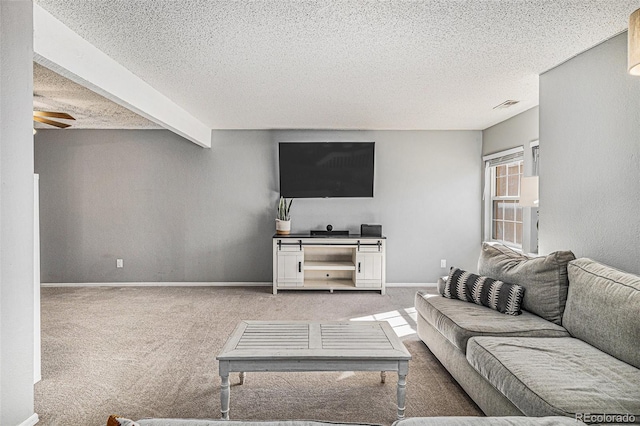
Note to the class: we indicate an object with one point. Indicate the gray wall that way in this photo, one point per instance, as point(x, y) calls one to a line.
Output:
point(519, 130)
point(590, 157)
point(16, 213)
point(176, 212)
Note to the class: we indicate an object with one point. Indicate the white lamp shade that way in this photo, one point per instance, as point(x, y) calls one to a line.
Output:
point(633, 43)
point(529, 191)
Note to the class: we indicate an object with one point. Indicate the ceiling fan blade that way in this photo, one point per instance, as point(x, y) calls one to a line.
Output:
point(53, 114)
point(51, 122)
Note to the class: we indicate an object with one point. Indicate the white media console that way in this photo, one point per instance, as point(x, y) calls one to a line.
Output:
point(304, 262)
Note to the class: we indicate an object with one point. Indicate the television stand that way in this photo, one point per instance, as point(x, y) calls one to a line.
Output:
point(328, 262)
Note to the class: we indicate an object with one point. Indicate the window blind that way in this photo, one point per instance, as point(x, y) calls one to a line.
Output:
point(504, 159)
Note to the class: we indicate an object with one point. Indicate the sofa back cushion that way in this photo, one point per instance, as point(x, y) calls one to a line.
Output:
point(603, 309)
point(544, 278)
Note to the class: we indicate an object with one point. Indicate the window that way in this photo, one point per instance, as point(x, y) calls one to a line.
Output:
point(503, 215)
point(506, 225)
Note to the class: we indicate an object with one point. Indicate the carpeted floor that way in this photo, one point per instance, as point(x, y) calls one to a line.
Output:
point(151, 352)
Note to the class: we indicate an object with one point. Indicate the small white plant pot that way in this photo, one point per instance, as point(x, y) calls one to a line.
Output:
point(283, 227)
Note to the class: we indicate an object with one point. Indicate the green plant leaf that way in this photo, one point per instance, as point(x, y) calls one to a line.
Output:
point(284, 209)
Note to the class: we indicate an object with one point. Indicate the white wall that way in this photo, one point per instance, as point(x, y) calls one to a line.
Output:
point(176, 212)
point(16, 214)
point(590, 157)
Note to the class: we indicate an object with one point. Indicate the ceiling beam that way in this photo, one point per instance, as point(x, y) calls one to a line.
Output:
point(61, 50)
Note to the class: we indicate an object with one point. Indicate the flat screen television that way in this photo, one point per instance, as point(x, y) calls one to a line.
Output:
point(326, 169)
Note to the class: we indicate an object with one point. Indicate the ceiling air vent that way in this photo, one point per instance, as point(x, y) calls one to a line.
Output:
point(506, 104)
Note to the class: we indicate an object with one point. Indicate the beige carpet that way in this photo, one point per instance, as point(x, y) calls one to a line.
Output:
point(150, 352)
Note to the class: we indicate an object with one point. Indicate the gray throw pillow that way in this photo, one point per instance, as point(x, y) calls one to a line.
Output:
point(544, 277)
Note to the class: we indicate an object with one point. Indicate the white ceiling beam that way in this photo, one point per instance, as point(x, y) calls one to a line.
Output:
point(60, 49)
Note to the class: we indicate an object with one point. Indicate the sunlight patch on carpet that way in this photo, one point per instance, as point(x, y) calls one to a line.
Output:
point(402, 321)
point(345, 375)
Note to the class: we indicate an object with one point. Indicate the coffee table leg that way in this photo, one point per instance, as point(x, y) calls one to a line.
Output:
point(224, 397)
point(403, 370)
point(402, 389)
point(242, 377)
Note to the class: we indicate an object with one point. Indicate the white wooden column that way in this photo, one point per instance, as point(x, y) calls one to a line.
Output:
point(37, 361)
point(16, 214)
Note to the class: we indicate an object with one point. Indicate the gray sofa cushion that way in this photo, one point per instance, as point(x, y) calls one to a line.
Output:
point(487, 421)
point(544, 278)
point(603, 309)
point(457, 321)
point(564, 376)
point(198, 422)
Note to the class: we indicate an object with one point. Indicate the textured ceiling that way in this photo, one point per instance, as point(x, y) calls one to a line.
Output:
point(432, 64)
point(52, 92)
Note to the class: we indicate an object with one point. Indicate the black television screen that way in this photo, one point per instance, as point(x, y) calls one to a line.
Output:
point(326, 169)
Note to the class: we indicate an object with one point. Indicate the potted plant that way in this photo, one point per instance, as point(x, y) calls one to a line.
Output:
point(283, 221)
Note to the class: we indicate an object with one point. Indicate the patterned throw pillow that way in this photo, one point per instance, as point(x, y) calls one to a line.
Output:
point(485, 291)
point(114, 420)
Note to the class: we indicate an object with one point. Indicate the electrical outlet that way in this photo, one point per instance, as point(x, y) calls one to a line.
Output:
point(443, 263)
point(119, 263)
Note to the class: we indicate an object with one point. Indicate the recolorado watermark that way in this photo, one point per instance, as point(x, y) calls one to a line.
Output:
point(605, 418)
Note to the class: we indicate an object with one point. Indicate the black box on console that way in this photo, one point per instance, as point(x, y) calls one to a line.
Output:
point(370, 230)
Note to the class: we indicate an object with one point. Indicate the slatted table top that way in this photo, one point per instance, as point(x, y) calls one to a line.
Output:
point(289, 340)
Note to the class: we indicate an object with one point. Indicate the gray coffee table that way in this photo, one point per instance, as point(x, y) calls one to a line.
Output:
point(313, 346)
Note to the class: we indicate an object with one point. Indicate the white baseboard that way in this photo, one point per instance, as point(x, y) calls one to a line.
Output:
point(429, 285)
point(165, 284)
point(31, 421)
point(201, 284)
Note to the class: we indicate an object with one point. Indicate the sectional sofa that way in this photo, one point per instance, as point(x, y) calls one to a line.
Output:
point(415, 421)
point(573, 351)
